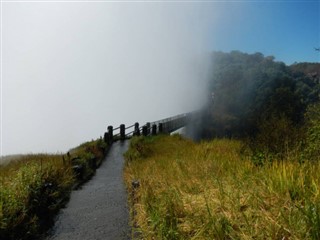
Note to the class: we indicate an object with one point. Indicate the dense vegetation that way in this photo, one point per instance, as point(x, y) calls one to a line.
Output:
point(257, 178)
point(34, 187)
point(213, 190)
point(258, 98)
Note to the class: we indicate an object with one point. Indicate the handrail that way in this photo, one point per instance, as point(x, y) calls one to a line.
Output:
point(130, 126)
point(116, 128)
point(129, 134)
point(166, 125)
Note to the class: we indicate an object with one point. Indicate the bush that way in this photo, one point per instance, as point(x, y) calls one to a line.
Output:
point(33, 189)
point(139, 148)
point(312, 150)
point(31, 195)
point(277, 137)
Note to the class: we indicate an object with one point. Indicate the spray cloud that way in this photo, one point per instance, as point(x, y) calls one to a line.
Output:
point(71, 69)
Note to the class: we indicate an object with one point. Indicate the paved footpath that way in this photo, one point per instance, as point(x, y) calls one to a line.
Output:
point(99, 209)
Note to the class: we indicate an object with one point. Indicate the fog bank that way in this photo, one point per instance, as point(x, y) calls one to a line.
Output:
point(71, 69)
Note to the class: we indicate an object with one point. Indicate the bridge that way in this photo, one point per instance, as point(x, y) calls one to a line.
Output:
point(166, 126)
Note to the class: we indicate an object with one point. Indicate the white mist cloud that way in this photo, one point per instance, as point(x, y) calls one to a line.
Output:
point(71, 69)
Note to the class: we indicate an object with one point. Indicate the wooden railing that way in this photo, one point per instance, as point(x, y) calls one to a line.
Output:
point(167, 125)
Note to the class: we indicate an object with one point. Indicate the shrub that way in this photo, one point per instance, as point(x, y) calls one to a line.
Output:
point(139, 148)
point(35, 187)
point(312, 150)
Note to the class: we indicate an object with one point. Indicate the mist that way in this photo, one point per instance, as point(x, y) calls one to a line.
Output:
point(72, 69)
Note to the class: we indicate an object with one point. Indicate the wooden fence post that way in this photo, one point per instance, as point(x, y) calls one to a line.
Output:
point(106, 138)
point(145, 130)
point(136, 129)
point(154, 129)
point(160, 127)
point(148, 128)
point(110, 133)
point(122, 132)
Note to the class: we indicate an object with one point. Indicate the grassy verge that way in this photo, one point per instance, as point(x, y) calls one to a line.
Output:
point(212, 190)
point(35, 187)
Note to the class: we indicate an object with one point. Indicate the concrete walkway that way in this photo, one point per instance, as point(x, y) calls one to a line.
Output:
point(99, 209)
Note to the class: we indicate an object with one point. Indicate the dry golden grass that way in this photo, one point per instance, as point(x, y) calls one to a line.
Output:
point(212, 191)
point(34, 187)
point(31, 188)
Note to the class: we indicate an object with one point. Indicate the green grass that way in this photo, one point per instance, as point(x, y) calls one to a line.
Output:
point(34, 187)
point(212, 190)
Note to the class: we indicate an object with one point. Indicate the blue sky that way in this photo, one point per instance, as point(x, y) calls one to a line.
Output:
point(288, 30)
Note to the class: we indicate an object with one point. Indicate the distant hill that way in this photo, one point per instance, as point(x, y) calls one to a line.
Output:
point(247, 89)
point(310, 69)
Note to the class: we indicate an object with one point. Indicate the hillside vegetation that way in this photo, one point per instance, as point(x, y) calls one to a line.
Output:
point(34, 187)
point(251, 89)
point(214, 190)
point(257, 177)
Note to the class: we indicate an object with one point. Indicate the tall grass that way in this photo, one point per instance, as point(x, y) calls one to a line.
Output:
point(35, 187)
point(212, 190)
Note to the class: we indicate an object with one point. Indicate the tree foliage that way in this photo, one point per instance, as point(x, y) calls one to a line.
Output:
point(256, 96)
point(311, 150)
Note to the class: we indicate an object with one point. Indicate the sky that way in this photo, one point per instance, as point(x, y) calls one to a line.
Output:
point(287, 30)
point(69, 69)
